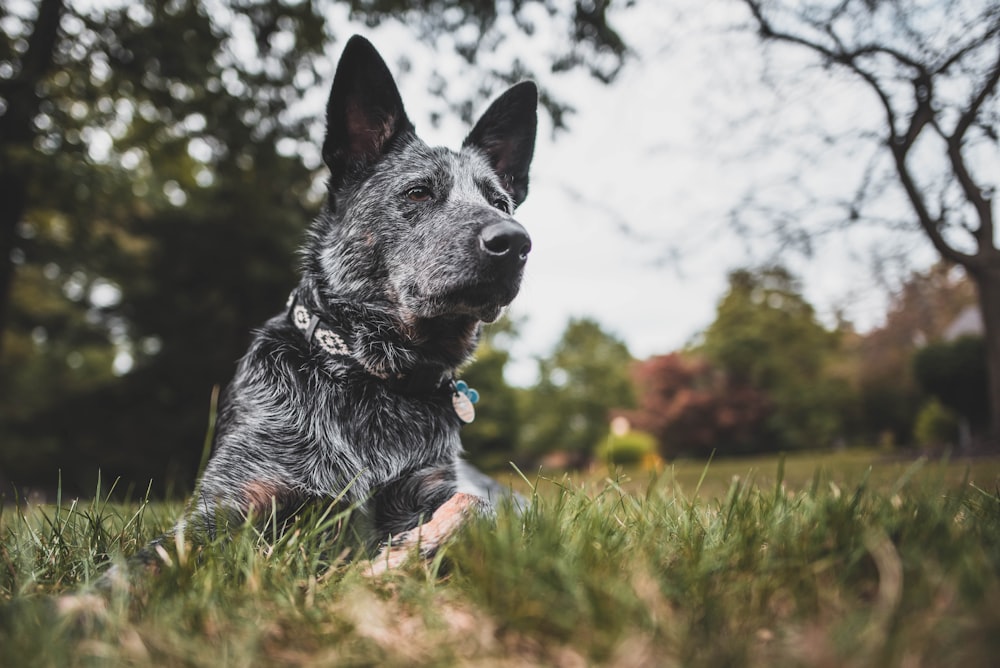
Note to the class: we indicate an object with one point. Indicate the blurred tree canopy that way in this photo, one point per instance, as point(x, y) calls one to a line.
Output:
point(585, 377)
point(765, 336)
point(155, 180)
point(492, 440)
point(954, 372)
point(767, 375)
point(889, 395)
point(693, 408)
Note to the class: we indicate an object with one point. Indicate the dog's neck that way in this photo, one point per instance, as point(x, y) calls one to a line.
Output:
point(384, 343)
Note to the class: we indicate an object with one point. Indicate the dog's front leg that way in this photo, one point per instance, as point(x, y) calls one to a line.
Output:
point(427, 538)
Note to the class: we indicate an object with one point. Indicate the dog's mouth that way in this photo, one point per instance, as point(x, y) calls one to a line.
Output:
point(483, 300)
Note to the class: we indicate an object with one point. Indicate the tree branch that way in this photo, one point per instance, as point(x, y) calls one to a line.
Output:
point(984, 209)
point(928, 223)
point(989, 34)
point(899, 145)
point(987, 89)
point(902, 58)
point(845, 58)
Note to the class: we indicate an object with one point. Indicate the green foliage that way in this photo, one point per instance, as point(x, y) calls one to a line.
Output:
point(955, 373)
point(827, 572)
point(586, 376)
point(763, 313)
point(155, 175)
point(881, 361)
point(766, 336)
point(628, 449)
point(935, 425)
point(492, 439)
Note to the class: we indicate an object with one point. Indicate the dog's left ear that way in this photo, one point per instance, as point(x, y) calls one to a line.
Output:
point(506, 134)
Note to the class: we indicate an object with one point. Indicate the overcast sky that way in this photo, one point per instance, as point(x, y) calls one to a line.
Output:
point(629, 210)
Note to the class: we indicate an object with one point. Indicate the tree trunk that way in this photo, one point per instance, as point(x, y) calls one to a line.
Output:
point(988, 288)
point(16, 139)
point(12, 189)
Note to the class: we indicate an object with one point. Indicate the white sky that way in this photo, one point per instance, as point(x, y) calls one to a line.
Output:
point(669, 151)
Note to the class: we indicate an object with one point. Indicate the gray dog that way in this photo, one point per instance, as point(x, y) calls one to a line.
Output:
point(351, 391)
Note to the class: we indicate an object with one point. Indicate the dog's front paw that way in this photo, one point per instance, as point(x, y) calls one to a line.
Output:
point(427, 538)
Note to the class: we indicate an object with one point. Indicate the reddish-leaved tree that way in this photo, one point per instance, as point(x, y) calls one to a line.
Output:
point(692, 408)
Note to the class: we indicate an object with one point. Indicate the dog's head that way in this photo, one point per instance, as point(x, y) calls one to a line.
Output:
point(426, 231)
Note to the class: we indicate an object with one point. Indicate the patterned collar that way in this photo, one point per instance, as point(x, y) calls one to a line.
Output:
point(422, 381)
point(315, 329)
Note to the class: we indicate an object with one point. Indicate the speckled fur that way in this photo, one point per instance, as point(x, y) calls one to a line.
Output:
point(409, 284)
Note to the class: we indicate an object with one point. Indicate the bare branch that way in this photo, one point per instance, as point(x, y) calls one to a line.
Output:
point(899, 56)
point(984, 210)
point(928, 223)
point(767, 32)
point(988, 88)
point(990, 33)
point(898, 144)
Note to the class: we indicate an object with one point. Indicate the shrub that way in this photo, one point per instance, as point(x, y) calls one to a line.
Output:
point(628, 449)
point(954, 372)
point(936, 424)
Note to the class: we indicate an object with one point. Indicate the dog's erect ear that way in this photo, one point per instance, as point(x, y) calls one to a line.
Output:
point(365, 111)
point(506, 134)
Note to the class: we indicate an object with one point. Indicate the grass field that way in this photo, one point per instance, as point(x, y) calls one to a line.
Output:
point(832, 560)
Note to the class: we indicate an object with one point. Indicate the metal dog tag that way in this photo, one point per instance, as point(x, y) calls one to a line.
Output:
point(464, 409)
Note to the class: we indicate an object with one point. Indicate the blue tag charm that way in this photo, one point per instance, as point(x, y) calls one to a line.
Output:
point(463, 399)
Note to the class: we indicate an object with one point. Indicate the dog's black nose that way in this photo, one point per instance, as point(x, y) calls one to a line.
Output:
point(505, 240)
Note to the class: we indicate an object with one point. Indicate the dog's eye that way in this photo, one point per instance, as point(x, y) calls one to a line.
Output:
point(419, 194)
point(502, 204)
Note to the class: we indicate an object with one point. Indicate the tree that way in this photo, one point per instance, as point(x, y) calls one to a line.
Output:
point(765, 336)
point(954, 372)
point(492, 439)
point(93, 97)
point(141, 167)
point(920, 312)
point(155, 177)
point(586, 377)
point(932, 70)
point(695, 409)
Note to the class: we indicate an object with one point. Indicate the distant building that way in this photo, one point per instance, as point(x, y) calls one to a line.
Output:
point(969, 322)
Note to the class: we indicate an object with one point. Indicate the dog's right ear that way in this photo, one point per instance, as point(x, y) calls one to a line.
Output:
point(364, 113)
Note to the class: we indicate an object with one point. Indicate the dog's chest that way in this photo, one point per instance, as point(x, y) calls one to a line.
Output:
point(379, 434)
point(327, 422)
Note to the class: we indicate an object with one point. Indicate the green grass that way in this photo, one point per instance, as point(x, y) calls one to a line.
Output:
point(805, 561)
